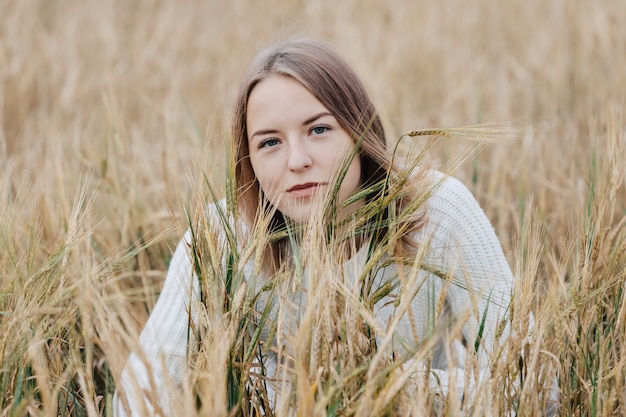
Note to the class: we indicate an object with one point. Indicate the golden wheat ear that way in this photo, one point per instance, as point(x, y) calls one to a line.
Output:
point(484, 133)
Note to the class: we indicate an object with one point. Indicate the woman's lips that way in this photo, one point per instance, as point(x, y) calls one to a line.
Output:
point(304, 190)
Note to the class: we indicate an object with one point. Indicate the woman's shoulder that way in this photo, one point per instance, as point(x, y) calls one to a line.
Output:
point(221, 214)
point(219, 219)
point(216, 208)
point(451, 204)
point(449, 192)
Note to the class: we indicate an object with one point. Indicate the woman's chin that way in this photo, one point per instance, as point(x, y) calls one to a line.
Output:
point(302, 212)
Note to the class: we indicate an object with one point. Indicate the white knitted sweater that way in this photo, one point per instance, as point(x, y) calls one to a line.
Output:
point(461, 242)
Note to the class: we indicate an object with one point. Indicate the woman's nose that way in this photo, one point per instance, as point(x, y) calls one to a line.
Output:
point(299, 156)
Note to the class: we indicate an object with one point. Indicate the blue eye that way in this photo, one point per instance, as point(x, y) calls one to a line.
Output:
point(319, 130)
point(269, 143)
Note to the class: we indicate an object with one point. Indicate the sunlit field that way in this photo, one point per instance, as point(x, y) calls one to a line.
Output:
point(114, 117)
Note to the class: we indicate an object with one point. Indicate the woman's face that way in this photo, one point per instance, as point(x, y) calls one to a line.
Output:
point(296, 148)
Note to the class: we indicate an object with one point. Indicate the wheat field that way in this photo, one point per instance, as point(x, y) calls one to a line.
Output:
point(112, 114)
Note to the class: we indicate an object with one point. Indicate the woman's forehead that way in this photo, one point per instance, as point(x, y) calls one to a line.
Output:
point(280, 99)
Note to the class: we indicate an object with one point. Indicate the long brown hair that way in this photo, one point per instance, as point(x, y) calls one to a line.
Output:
point(327, 76)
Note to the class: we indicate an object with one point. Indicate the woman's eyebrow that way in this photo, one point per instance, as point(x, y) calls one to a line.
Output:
point(306, 122)
point(314, 118)
point(264, 132)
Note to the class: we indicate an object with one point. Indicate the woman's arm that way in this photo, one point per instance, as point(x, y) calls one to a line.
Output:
point(465, 282)
point(480, 283)
point(465, 248)
point(157, 366)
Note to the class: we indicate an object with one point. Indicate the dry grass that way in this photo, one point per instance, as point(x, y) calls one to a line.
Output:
point(109, 112)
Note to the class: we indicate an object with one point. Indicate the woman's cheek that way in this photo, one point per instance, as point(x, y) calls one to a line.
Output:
point(271, 189)
point(262, 172)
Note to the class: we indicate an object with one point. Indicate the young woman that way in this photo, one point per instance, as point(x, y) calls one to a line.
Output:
point(409, 261)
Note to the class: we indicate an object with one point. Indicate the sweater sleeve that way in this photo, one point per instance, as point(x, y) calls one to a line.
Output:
point(465, 261)
point(465, 248)
point(154, 370)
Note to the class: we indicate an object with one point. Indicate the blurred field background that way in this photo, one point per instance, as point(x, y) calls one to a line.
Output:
point(110, 111)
